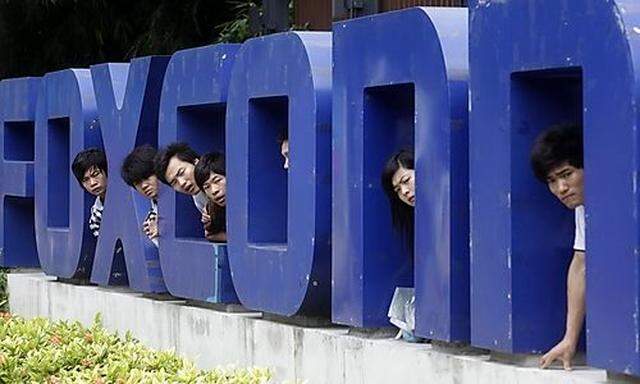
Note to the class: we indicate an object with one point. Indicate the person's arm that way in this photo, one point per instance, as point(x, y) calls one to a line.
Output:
point(220, 237)
point(576, 288)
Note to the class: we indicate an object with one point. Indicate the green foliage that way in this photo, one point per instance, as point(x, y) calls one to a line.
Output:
point(40, 351)
point(237, 30)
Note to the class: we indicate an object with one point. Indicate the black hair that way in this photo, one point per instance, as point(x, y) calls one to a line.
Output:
point(181, 150)
point(138, 165)
point(87, 159)
point(555, 146)
point(283, 136)
point(209, 162)
point(401, 213)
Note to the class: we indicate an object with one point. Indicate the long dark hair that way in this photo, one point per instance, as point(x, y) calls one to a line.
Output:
point(401, 213)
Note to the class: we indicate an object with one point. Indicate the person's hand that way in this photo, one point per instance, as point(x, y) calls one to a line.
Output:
point(563, 351)
point(209, 235)
point(205, 219)
point(150, 227)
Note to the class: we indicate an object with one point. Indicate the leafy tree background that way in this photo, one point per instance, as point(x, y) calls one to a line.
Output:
point(39, 36)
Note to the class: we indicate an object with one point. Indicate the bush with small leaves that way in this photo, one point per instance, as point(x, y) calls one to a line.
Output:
point(42, 351)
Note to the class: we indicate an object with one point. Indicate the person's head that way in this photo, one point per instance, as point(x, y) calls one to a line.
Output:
point(138, 172)
point(284, 149)
point(174, 166)
point(398, 182)
point(557, 160)
point(211, 177)
point(90, 169)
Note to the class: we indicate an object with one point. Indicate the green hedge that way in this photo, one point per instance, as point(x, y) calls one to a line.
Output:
point(41, 351)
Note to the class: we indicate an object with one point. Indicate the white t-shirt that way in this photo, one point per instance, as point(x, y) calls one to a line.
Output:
point(578, 242)
point(200, 200)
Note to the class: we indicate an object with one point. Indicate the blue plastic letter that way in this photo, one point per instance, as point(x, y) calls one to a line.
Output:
point(128, 97)
point(406, 85)
point(65, 125)
point(534, 64)
point(279, 220)
point(18, 99)
point(192, 109)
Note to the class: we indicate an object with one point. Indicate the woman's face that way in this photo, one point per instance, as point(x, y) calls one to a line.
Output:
point(404, 185)
point(216, 189)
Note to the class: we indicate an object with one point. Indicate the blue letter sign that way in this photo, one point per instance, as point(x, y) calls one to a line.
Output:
point(192, 109)
point(66, 123)
point(279, 220)
point(18, 99)
point(127, 96)
point(406, 85)
point(534, 64)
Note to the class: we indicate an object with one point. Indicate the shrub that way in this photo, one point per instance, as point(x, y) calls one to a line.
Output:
point(42, 351)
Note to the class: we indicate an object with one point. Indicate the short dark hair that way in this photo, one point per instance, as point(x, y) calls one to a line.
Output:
point(555, 146)
point(401, 213)
point(87, 159)
point(138, 165)
point(283, 136)
point(209, 162)
point(181, 150)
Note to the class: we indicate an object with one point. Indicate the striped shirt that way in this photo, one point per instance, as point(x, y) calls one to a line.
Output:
point(151, 216)
point(96, 217)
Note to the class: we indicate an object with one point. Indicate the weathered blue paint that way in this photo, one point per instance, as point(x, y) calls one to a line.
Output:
point(414, 61)
point(66, 123)
point(192, 109)
point(127, 97)
point(18, 98)
point(279, 221)
point(533, 64)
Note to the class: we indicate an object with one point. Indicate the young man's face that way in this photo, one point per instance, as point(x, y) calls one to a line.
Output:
point(216, 189)
point(566, 182)
point(94, 181)
point(148, 187)
point(284, 151)
point(179, 175)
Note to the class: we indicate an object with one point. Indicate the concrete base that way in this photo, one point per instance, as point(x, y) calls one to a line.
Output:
point(317, 355)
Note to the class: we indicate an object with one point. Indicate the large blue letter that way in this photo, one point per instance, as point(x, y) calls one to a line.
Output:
point(192, 109)
point(65, 125)
point(534, 64)
point(18, 99)
point(279, 229)
point(406, 85)
point(128, 96)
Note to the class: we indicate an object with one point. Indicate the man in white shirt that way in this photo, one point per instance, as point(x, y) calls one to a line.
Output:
point(90, 169)
point(557, 160)
point(174, 166)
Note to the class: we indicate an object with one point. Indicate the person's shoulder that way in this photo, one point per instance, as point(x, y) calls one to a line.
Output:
point(200, 200)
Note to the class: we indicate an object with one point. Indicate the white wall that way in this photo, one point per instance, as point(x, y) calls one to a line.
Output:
point(317, 355)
